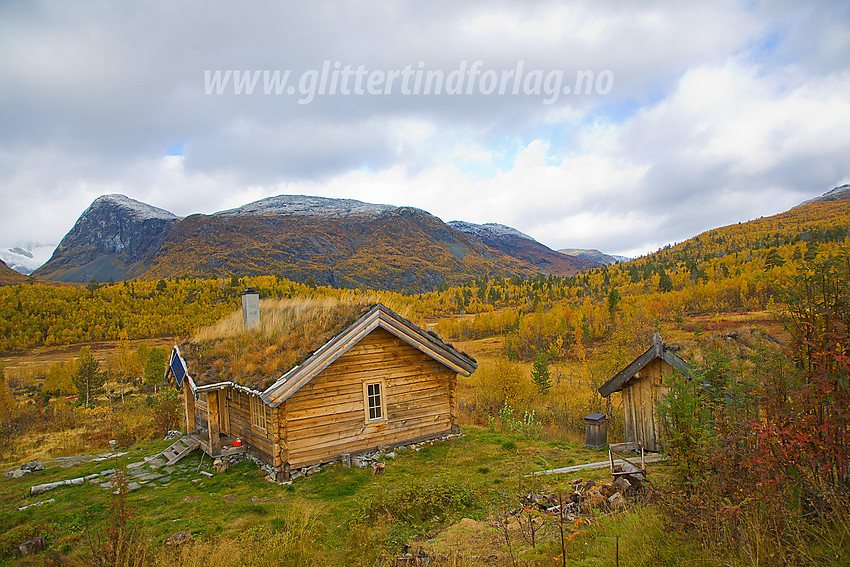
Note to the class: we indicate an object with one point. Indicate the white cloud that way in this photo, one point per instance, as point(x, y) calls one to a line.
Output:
point(718, 113)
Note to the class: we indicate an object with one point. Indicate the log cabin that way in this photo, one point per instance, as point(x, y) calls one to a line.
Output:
point(643, 383)
point(315, 380)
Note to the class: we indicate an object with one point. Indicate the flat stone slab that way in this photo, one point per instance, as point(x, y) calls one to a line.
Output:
point(42, 503)
point(133, 486)
point(73, 458)
point(149, 476)
point(42, 488)
point(118, 454)
point(107, 472)
point(135, 465)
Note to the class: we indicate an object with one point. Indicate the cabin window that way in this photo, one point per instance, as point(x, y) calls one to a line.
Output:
point(373, 393)
point(258, 413)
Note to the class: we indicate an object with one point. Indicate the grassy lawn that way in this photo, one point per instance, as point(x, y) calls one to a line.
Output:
point(339, 516)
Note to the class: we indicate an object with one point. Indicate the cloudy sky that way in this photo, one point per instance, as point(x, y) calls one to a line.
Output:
point(614, 125)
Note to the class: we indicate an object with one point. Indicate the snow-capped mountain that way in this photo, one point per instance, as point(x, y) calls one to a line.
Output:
point(311, 206)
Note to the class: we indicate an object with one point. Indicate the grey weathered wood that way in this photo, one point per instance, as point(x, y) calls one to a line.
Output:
point(657, 350)
point(599, 465)
point(629, 467)
point(180, 449)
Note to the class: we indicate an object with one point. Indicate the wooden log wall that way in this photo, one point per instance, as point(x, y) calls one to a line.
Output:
point(326, 417)
point(261, 442)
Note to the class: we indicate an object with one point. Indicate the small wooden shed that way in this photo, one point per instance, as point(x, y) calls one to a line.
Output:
point(643, 383)
point(379, 381)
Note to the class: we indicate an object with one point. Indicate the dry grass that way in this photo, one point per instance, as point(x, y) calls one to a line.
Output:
point(279, 317)
point(290, 330)
point(45, 446)
point(288, 539)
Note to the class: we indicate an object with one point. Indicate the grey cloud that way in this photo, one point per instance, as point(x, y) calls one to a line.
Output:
point(93, 94)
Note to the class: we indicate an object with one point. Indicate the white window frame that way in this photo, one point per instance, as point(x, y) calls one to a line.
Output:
point(382, 400)
point(258, 413)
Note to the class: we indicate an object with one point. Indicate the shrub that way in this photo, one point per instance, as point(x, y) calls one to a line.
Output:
point(417, 503)
point(501, 382)
point(166, 411)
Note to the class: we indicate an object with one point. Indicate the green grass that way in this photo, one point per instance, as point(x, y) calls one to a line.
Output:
point(337, 517)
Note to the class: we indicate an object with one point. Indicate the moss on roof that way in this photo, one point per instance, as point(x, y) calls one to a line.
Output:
point(290, 330)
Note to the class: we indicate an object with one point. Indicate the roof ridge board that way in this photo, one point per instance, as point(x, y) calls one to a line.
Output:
point(676, 361)
point(620, 378)
point(624, 375)
point(428, 336)
point(449, 353)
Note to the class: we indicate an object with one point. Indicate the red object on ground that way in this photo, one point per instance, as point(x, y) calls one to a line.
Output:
point(237, 442)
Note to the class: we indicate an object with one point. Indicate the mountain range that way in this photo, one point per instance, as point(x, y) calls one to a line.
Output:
point(339, 242)
point(594, 255)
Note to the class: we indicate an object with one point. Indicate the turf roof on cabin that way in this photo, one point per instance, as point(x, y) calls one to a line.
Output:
point(290, 332)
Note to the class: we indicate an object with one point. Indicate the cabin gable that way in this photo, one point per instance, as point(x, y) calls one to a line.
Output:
point(328, 416)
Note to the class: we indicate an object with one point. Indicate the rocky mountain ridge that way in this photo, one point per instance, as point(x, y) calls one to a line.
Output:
point(594, 255)
point(115, 238)
point(839, 193)
point(311, 206)
point(340, 242)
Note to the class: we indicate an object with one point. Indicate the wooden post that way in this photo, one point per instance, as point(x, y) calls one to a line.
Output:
point(274, 416)
point(189, 407)
point(212, 421)
point(453, 403)
point(283, 439)
point(224, 412)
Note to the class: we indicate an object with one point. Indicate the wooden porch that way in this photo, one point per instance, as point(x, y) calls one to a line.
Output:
point(224, 447)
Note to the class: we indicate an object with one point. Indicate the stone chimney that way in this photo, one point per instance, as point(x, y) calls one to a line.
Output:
point(250, 308)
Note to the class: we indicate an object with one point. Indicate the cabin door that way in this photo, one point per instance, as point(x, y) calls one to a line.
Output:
point(223, 413)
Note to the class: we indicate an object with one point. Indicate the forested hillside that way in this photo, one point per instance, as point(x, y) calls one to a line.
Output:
point(734, 268)
point(38, 314)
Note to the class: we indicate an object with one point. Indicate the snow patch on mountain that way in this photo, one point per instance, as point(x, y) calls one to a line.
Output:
point(26, 257)
point(835, 194)
point(595, 255)
point(309, 206)
point(488, 230)
point(139, 210)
